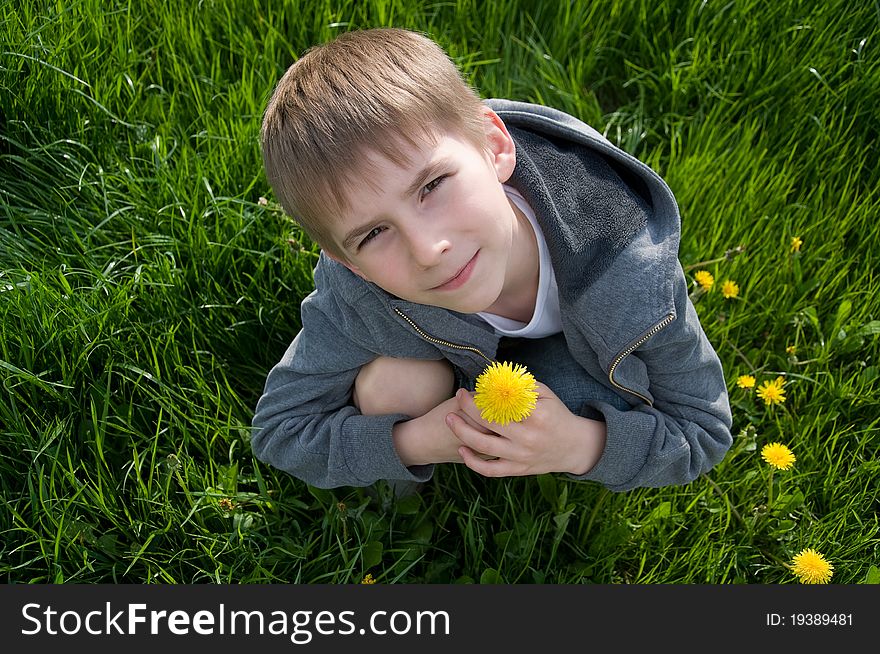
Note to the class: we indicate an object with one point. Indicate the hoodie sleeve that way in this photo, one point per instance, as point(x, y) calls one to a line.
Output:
point(305, 424)
point(686, 431)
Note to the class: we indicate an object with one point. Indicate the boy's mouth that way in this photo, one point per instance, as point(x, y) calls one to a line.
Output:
point(459, 278)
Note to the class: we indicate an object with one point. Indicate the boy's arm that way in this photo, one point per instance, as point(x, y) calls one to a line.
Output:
point(305, 424)
point(687, 430)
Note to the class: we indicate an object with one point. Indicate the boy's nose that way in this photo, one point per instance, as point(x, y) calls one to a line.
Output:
point(427, 247)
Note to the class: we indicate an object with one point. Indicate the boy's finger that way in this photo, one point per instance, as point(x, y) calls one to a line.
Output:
point(489, 444)
point(466, 402)
point(487, 468)
point(476, 423)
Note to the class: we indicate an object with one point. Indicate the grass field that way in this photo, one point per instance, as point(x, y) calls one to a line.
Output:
point(146, 287)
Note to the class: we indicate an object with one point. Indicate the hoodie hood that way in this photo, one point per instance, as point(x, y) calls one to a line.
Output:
point(615, 223)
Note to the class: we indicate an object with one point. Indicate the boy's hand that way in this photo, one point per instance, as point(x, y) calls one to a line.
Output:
point(429, 439)
point(551, 439)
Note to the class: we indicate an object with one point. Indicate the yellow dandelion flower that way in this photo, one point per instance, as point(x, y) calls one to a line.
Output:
point(704, 279)
point(729, 289)
point(506, 393)
point(368, 579)
point(796, 243)
point(771, 391)
point(811, 567)
point(791, 349)
point(745, 381)
point(778, 456)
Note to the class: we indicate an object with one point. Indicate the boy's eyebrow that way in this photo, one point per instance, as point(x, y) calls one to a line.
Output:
point(421, 178)
point(424, 176)
point(353, 235)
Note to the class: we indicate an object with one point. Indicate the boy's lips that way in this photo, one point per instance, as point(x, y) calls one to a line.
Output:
point(459, 278)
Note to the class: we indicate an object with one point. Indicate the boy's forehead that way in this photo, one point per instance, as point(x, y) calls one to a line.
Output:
point(392, 166)
point(397, 151)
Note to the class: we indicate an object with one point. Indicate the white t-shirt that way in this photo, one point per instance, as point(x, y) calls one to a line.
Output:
point(546, 319)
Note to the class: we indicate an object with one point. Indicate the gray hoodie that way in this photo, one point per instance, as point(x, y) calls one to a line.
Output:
point(612, 228)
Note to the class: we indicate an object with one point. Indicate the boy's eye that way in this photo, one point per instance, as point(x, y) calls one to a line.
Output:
point(369, 237)
point(432, 185)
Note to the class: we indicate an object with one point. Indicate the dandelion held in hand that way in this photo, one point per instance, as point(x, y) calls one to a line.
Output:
point(506, 393)
point(811, 567)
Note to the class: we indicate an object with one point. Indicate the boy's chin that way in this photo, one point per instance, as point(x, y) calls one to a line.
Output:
point(477, 304)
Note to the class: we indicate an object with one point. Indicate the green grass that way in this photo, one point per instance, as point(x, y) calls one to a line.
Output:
point(145, 291)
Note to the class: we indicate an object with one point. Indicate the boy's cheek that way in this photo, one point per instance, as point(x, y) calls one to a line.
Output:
point(358, 272)
point(354, 269)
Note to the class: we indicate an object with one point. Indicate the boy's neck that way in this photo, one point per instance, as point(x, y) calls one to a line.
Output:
point(520, 292)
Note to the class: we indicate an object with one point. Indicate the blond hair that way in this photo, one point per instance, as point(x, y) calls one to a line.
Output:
point(373, 90)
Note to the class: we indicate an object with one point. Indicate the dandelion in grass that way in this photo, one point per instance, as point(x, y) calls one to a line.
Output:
point(368, 579)
point(778, 456)
point(729, 289)
point(796, 243)
point(772, 392)
point(704, 279)
point(505, 393)
point(745, 381)
point(811, 567)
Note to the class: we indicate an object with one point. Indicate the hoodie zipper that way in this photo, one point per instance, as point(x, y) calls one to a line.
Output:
point(645, 337)
point(620, 357)
point(438, 341)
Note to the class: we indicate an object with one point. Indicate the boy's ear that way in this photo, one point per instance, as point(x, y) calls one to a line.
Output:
point(500, 145)
point(352, 268)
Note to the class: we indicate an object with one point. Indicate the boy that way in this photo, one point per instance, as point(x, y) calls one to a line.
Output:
point(455, 232)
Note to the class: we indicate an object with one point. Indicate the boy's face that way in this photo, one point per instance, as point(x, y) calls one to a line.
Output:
point(439, 230)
